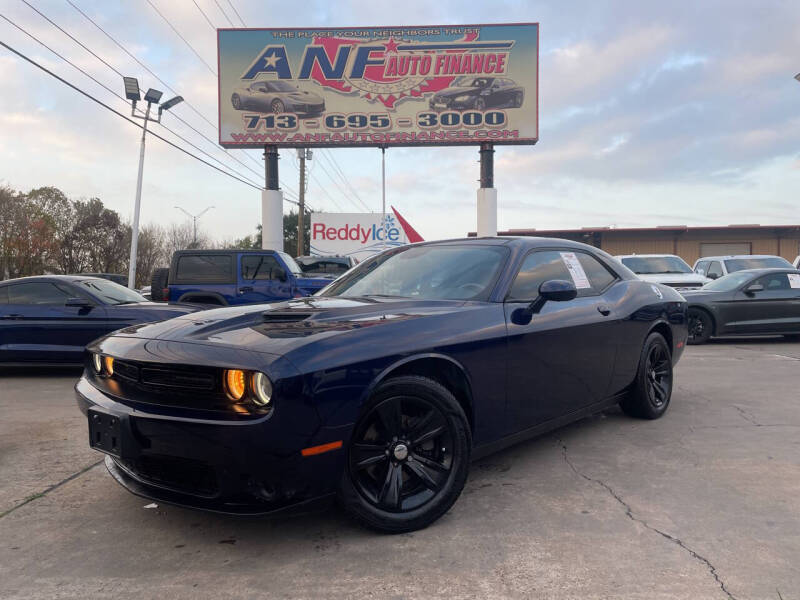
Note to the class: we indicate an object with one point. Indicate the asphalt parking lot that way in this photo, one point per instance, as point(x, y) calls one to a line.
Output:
point(704, 503)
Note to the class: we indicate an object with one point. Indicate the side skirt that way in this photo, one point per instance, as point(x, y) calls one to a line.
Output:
point(542, 428)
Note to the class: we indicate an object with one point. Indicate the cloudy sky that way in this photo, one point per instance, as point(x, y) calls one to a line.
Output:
point(650, 114)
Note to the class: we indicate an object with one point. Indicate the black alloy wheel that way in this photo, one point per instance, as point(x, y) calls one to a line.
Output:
point(408, 456)
point(659, 375)
point(277, 106)
point(651, 392)
point(700, 326)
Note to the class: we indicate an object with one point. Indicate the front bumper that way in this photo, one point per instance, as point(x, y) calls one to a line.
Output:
point(237, 467)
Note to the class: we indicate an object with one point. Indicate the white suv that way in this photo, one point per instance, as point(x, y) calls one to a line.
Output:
point(668, 269)
point(715, 267)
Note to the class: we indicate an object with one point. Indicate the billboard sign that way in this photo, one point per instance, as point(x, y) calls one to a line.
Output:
point(379, 86)
point(359, 235)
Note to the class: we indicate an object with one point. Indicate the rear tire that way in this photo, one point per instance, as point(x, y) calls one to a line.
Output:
point(408, 457)
point(700, 326)
point(158, 285)
point(652, 389)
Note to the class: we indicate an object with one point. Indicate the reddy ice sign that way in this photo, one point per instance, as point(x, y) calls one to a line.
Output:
point(379, 86)
point(359, 235)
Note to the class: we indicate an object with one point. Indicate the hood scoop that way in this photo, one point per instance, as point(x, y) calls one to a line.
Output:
point(286, 316)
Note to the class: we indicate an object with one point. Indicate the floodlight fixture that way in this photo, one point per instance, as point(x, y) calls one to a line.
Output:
point(797, 77)
point(170, 103)
point(132, 88)
point(153, 96)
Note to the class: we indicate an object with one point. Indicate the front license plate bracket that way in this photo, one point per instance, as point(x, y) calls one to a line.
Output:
point(105, 432)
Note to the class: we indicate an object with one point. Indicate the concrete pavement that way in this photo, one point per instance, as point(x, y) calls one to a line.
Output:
point(703, 503)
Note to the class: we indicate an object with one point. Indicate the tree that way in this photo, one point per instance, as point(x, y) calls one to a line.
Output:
point(28, 240)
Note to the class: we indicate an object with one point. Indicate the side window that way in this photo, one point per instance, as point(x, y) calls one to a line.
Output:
point(599, 276)
point(36, 293)
point(774, 282)
point(714, 269)
point(255, 267)
point(701, 267)
point(205, 268)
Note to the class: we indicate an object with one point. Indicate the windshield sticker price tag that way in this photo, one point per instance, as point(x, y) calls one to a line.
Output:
point(794, 280)
point(575, 270)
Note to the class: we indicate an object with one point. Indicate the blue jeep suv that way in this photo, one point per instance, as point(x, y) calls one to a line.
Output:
point(229, 277)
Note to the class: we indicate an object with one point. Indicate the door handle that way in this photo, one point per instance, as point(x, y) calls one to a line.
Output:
point(243, 290)
point(603, 309)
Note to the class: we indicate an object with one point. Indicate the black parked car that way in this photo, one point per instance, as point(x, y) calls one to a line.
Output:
point(382, 388)
point(50, 319)
point(479, 93)
point(754, 301)
point(277, 97)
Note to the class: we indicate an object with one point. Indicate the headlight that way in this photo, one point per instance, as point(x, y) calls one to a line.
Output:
point(262, 389)
point(97, 363)
point(108, 365)
point(235, 383)
point(463, 98)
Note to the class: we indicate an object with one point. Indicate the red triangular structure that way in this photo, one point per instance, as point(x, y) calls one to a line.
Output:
point(410, 232)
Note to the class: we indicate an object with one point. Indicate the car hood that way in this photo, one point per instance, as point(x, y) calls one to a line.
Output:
point(312, 283)
point(165, 311)
point(458, 91)
point(283, 327)
point(303, 97)
point(673, 278)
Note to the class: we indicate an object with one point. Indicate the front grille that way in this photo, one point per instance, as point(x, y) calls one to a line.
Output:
point(180, 474)
point(177, 379)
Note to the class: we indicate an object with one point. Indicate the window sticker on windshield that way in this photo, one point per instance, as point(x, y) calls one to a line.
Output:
point(575, 270)
point(794, 280)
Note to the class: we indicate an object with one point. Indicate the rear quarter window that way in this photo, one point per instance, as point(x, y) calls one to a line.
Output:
point(205, 268)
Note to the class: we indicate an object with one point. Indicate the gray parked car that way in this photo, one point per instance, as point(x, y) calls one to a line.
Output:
point(277, 97)
point(715, 267)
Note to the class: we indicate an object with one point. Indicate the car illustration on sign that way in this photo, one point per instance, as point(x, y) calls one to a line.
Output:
point(479, 93)
point(382, 388)
point(277, 97)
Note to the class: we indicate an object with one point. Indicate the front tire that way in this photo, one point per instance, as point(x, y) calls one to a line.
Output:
point(408, 457)
point(652, 389)
point(277, 106)
point(700, 326)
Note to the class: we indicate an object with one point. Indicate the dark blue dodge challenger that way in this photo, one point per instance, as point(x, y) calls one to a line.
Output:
point(383, 387)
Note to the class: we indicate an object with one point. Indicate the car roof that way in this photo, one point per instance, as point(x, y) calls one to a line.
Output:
point(730, 256)
point(767, 270)
point(35, 278)
point(645, 255)
point(516, 241)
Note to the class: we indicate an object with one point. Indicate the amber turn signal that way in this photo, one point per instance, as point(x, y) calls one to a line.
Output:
point(235, 383)
point(108, 365)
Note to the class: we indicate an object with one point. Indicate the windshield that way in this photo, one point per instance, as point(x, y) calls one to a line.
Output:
point(425, 272)
point(291, 263)
point(112, 293)
point(740, 264)
point(323, 265)
point(727, 282)
point(281, 86)
point(652, 265)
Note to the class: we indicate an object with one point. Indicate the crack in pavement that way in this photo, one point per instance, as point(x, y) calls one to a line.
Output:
point(629, 512)
point(38, 495)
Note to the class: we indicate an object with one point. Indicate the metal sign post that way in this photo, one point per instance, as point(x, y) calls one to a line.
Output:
point(271, 203)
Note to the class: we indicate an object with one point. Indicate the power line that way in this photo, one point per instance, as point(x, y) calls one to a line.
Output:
point(205, 16)
point(165, 84)
point(339, 187)
point(241, 20)
point(178, 33)
point(344, 179)
point(224, 14)
point(335, 203)
point(101, 84)
point(119, 114)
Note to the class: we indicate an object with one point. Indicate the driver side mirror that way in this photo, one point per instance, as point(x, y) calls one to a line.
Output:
point(752, 289)
point(78, 303)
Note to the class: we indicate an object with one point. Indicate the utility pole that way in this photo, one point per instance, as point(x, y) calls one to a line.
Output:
point(302, 154)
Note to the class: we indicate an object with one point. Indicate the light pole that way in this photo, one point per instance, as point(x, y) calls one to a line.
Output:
point(194, 221)
point(151, 97)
